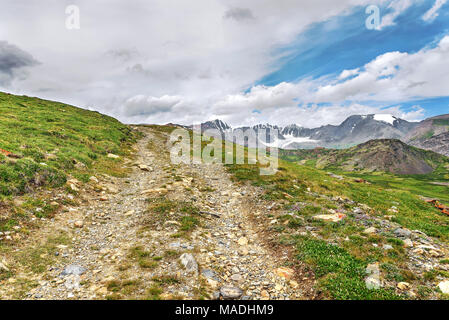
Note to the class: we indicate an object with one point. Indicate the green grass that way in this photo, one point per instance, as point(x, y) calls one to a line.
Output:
point(142, 257)
point(39, 257)
point(441, 122)
point(340, 273)
point(162, 209)
point(340, 268)
point(54, 140)
point(385, 191)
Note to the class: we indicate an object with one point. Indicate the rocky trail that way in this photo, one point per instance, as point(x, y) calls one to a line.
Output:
point(130, 242)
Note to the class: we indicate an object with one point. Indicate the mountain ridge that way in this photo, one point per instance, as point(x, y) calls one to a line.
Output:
point(353, 130)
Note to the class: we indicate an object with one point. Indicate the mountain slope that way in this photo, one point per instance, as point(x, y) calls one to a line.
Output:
point(431, 134)
point(43, 142)
point(383, 155)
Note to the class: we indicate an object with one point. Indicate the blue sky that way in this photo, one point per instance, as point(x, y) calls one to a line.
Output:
point(327, 48)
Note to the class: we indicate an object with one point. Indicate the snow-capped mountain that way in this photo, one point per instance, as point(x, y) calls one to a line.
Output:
point(354, 130)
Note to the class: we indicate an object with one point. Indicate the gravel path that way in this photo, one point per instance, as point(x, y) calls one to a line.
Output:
point(120, 249)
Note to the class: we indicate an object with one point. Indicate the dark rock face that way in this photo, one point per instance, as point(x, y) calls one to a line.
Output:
point(438, 143)
point(431, 134)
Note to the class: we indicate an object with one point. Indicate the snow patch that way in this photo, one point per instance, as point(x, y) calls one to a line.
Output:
point(289, 139)
point(388, 118)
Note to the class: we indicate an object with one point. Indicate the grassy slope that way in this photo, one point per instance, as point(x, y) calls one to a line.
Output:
point(340, 269)
point(55, 141)
point(418, 185)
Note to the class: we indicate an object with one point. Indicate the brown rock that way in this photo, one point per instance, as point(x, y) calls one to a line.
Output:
point(284, 272)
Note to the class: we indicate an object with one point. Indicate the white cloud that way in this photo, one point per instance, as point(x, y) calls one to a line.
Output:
point(142, 105)
point(187, 61)
point(433, 12)
point(200, 50)
point(348, 73)
point(391, 77)
point(394, 76)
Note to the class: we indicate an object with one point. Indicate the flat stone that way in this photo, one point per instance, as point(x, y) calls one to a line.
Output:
point(403, 285)
point(129, 213)
point(265, 295)
point(209, 274)
point(402, 233)
point(144, 167)
point(3, 266)
point(435, 253)
point(408, 243)
point(243, 241)
point(373, 268)
point(284, 272)
point(373, 282)
point(79, 224)
point(330, 217)
point(230, 293)
point(370, 230)
point(236, 277)
point(113, 156)
point(243, 251)
point(444, 286)
point(73, 269)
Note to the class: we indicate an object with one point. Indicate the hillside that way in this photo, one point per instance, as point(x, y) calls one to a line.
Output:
point(431, 134)
point(45, 143)
point(383, 155)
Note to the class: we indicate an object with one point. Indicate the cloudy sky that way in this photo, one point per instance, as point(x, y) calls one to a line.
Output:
point(242, 61)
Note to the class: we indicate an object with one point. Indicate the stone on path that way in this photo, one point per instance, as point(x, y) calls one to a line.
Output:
point(373, 280)
point(408, 243)
point(230, 293)
point(3, 266)
point(236, 277)
point(209, 274)
point(403, 285)
point(79, 224)
point(243, 241)
point(330, 217)
point(144, 167)
point(73, 269)
point(444, 286)
point(284, 272)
